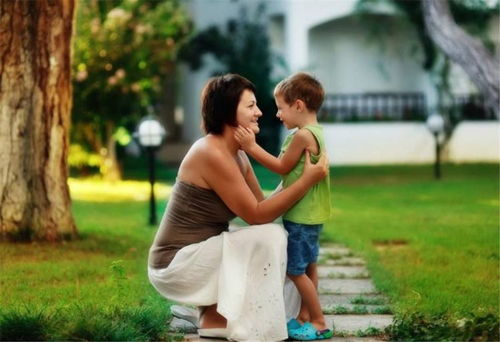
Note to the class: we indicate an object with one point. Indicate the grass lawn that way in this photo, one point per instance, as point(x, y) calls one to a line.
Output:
point(432, 246)
point(92, 289)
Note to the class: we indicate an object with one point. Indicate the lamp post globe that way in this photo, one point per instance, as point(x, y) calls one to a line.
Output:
point(435, 124)
point(150, 134)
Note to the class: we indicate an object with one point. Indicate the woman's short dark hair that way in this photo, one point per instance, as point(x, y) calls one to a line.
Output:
point(219, 101)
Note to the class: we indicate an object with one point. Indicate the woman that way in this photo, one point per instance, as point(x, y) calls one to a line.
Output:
point(237, 277)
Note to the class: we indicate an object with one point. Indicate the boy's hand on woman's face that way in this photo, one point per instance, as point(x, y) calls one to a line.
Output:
point(245, 137)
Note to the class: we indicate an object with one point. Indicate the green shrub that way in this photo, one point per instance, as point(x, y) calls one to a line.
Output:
point(418, 327)
point(148, 322)
point(101, 327)
point(88, 323)
point(382, 310)
point(371, 331)
point(24, 325)
point(360, 310)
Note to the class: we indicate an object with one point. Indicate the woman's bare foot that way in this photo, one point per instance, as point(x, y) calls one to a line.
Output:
point(211, 319)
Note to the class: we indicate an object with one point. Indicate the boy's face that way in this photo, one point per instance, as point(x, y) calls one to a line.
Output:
point(247, 113)
point(286, 113)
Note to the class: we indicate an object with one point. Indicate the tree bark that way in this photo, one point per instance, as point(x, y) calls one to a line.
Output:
point(464, 50)
point(35, 105)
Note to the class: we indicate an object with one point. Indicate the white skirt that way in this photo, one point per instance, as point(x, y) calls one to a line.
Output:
point(243, 271)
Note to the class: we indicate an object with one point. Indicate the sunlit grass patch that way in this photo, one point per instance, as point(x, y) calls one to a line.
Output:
point(98, 190)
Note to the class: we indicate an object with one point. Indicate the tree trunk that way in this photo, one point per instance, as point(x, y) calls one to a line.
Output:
point(463, 49)
point(35, 105)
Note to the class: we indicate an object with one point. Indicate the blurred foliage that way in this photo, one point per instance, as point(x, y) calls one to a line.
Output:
point(242, 47)
point(474, 16)
point(123, 52)
point(82, 160)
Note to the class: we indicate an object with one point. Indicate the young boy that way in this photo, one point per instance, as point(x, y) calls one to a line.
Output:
point(298, 99)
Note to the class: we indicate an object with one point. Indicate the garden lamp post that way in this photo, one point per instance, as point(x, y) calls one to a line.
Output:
point(150, 134)
point(435, 123)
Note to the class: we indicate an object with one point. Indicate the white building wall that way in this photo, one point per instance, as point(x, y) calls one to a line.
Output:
point(347, 60)
point(301, 15)
point(378, 143)
point(409, 143)
point(475, 141)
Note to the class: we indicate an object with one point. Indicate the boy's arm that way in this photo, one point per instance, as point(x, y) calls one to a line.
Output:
point(283, 165)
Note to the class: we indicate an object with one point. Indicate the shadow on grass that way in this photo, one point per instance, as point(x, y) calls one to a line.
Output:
point(441, 327)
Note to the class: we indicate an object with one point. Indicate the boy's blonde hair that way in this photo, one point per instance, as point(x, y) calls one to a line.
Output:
point(301, 86)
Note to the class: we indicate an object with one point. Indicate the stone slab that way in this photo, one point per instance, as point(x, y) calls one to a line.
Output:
point(344, 261)
point(358, 309)
point(346, 286)
point(180, 325)
point(342, 272)
point(334, 250)
point(351, 324)
point(344, 299)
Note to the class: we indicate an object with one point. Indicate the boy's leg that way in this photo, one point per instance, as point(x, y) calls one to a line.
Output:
point(312, 273)
point(304, 315)
point(302, 249)
point(310, 299)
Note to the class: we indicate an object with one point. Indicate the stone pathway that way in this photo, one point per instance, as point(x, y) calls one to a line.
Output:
point(350, 301)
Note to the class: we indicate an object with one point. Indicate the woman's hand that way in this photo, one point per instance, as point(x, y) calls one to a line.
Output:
point(314, 173)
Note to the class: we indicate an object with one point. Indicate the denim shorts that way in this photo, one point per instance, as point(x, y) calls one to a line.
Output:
point(303, 246)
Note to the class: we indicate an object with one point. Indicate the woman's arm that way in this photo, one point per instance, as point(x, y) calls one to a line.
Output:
point(250, 177)
point(223, 176)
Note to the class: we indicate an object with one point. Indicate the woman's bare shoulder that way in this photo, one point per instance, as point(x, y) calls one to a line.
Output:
point(201, 159)
point(205, 149)
point(192, 163)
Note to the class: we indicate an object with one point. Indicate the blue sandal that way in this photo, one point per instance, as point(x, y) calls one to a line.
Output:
point(308, 332)
point(293, 324)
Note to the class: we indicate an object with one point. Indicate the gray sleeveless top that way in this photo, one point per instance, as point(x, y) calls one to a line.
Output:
point(193, 214)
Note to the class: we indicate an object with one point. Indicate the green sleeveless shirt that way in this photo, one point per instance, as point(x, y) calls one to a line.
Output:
point(314, 207)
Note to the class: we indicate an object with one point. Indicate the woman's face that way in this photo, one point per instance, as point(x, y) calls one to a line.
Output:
point(247, 113)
